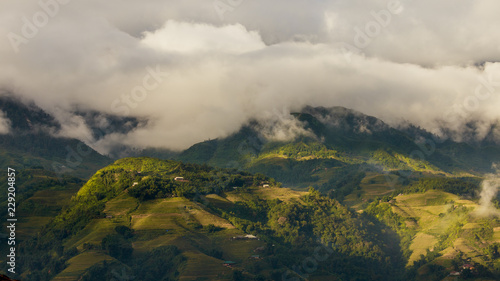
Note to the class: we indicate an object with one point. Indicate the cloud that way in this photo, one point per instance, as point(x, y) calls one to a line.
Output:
point(280, 126)
point(185, 37)
point(4, 123)
point(489, 190)
point(72, 126)
point(195, 76)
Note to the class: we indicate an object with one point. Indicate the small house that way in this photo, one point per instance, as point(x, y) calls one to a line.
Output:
point(244, 237)
point(228, 263)
point(468, 266)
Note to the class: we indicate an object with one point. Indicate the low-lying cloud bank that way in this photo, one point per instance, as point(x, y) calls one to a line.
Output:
point(489, 191)
point(198, 72)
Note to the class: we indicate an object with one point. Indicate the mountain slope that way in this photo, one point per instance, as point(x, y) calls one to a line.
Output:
point(197, 218)
point(30, 143)
point(443, 234)
point(339, 137)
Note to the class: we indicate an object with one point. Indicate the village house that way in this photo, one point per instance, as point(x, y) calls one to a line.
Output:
point(181, 179)
point(243, 237)
point(229, 264)
point(468, 266)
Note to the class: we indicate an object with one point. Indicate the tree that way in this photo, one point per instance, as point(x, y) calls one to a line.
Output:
point(237, 275)
point(117, 246)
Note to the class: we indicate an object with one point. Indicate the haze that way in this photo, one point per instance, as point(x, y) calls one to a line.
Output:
point(201, 69)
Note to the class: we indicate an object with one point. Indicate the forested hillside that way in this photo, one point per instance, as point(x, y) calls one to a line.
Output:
point(135, 209)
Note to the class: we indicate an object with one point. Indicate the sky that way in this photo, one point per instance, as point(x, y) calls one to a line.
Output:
point(201, 69)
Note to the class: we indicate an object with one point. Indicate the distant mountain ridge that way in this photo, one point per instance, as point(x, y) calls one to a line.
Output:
point(333, 134)
point(346, 137)
point(30, 143)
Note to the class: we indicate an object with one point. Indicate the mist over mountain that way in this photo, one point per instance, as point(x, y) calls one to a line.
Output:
point(201, 71)
point(346, 135)
point(33, 140)
point(346, 131)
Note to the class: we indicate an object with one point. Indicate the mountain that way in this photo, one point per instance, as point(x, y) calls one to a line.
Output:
point(151, 219)
point(337, 137)
point(32, 140)
point(30, 143)
point(48, 169)
point(322, 194)
point(213, 224)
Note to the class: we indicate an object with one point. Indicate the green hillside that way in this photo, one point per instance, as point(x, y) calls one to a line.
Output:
point(346, 201)
point(134, 215)
point(442, 234)
point(340, 138)
point(31, 143)
point(134, 209)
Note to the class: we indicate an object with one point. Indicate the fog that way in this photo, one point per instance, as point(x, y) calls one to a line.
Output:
point(489, 191)
point(199, 70)
point(4, 124)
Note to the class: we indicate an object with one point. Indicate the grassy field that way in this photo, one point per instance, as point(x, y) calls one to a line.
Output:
point(218, 201)
point(372, 186)
point(29, 226)
point(78, 265)
point(268, 193)
point(40, 208)
point(202, 267)
point(93, 233)
point(51, 201)
point(426, 208)
point(421, 243)
point(121, 205)
point(283, 194)
point(171, 221)
point(435, 213)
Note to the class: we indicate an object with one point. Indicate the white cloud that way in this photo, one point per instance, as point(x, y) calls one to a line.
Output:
point(186, 37)
point(264, 56)
point(4, 123)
